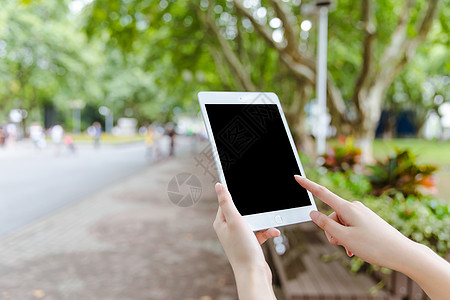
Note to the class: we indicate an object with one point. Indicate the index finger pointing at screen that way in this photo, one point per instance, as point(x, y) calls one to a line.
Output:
point(334, 201)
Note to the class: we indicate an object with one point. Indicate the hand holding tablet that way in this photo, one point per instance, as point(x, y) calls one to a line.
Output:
point(352, 225)
point(256, 157)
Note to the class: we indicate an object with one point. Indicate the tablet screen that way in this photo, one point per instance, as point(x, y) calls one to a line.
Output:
point(256, 156)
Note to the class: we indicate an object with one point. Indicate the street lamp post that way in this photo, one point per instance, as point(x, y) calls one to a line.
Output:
point(109, 118)
point(321, 77)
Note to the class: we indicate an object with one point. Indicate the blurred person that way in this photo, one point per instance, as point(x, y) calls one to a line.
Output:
point(2, 137)
point(95, 131)
point(195, 141)
point(143, 130)
point(150, 142)
point(158, 134)
point(352, 225)
point(68, 141)
point(57, 134)
point(37, 135)
point(11, 134)
point(171, 133)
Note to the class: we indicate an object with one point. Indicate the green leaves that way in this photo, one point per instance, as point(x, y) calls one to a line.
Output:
point(398, 199)
point(401, 173)
point(39, 52)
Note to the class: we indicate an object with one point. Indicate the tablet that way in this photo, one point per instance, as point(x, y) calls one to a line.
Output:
point(256, 157)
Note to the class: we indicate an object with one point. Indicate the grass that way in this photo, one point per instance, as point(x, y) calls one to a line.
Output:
point(429, 152)
point(107, 139)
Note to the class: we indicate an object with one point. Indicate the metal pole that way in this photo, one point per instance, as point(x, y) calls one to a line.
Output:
point(109, 122)
point(321, 80)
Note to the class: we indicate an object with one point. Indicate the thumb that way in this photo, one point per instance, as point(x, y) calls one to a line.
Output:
point(329, 225)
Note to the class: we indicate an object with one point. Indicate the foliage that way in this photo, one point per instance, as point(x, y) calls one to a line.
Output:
point(179, 48)
point(401, 173)
point(46, 60)
point(423, 219)
point(150, 58)
point(342, 157)
point(425, 77)
point(237, 45)
point(355, 185)
point(42, 57)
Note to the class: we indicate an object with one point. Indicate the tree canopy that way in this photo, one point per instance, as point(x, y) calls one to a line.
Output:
point(144, 58)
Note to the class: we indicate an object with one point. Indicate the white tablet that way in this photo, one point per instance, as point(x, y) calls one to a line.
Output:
point(256, 157)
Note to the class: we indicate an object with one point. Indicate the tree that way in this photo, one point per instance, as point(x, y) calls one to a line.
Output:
point(381, 61)
point(424, 84)
point(368, 57)
point(44, 58)
point(196, 52)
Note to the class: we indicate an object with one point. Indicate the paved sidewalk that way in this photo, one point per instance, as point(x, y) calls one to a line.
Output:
point(125, 242)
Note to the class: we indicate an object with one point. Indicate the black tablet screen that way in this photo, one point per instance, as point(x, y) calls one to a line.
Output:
point(256, 156)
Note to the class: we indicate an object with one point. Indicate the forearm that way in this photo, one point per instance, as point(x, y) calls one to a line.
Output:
point(428, 269)
point(254, 284)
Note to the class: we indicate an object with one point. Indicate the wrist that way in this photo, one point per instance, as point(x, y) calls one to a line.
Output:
point(254, 282)
point(252, 269)
point(429, 270)
point(402, 254)
point(411, 260)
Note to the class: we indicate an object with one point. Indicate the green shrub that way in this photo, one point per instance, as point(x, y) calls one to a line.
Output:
point(397, 189)
point(401, 173)
point(342, 158)
point(423, 219)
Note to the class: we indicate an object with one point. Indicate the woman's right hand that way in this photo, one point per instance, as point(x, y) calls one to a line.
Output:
point(364, 233)
point(358, 229)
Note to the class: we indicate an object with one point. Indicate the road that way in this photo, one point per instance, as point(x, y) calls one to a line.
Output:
point(34, 183)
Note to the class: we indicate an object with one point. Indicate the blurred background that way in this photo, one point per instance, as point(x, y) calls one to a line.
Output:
point(106, 175)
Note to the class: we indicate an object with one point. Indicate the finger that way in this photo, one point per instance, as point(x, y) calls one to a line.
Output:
point(226, 203)
point(330, 226)
point(331, 238)
point(321, 192)
point(220, 217)
point(334, 217)
point(264, 235)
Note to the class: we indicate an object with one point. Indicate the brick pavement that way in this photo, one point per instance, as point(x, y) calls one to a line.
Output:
point(125, 242)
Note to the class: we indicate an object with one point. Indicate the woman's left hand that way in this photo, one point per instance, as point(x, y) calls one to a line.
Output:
point(241, 245)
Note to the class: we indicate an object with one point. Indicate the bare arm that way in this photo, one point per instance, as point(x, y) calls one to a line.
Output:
point(365, 234)
point(242, 247)
point(254, 284)
point(428, 269)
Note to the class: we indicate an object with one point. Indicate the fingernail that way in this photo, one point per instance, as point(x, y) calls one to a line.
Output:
point(298, 177)
point(314, 214)
point(219, 188)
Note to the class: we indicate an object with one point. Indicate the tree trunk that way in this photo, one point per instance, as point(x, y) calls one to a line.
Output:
point(296, 116)
point(370, 108)
point(364, 140)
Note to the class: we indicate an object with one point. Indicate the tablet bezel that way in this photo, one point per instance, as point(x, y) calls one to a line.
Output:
point(264, 220)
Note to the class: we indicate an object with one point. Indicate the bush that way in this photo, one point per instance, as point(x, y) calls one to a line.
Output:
point(423, 219)
point(401, 173)
point(342, 158)
point(397, 189)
